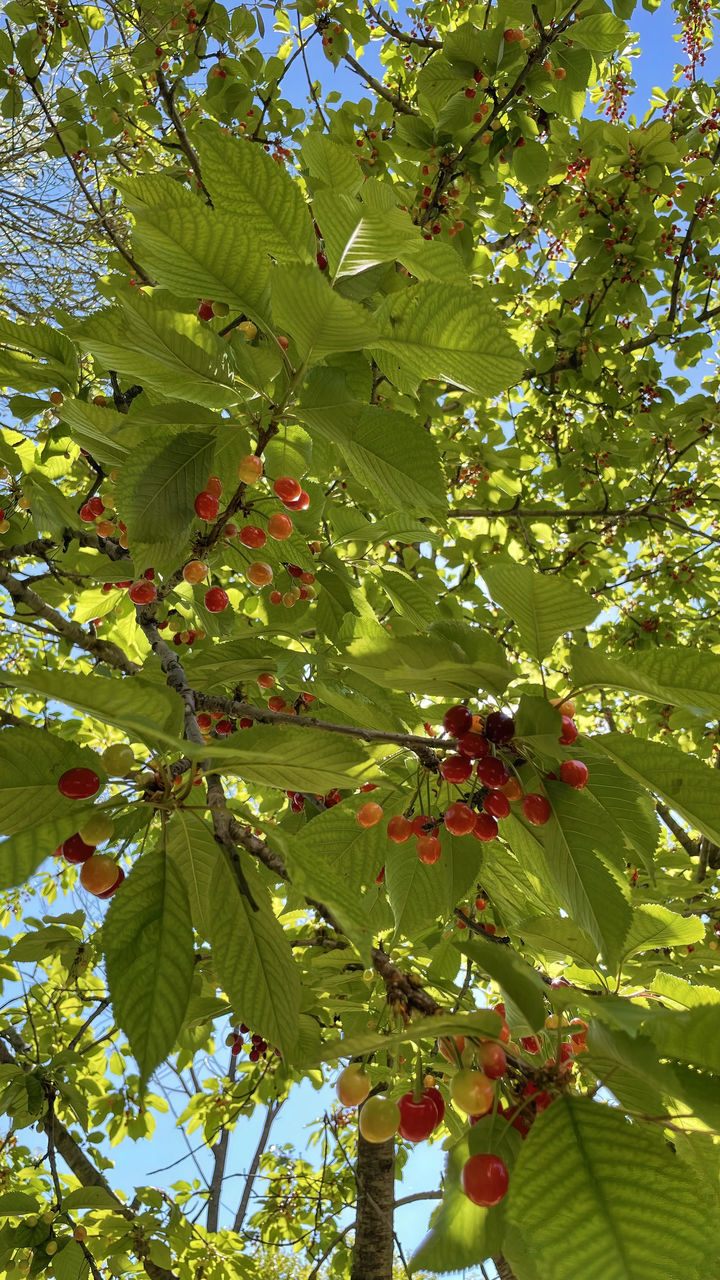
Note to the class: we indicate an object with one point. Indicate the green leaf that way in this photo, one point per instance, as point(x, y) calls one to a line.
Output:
point(559, 937)
point(334, 860)
point(519, 982)
point(155, 494)
point(143, 708)
point(89, 1198)
point(31, 761)
point(252, 957)
point(319, 320)
point(682, 781)
point(654, 926)
point(542, 607)
point(357, 238)
point(246, 182)
point(479, 1023)
point(193, 249)
point(531, 163)
point(50, 345)
point(600, 32)
point(690, 1035)
point(454, 335)
point(449, 660)
point(387, 451)
point(161, 348)
point(16, 1203)
point(619, 1174)
point(192, 849)
point(461, 1232)
point(627, 805)
point(631, 1066)
point(330, 165)
point(286, 757)
point(70, 1263)
point(681, 677)
point(594, 898)
point(149, 955)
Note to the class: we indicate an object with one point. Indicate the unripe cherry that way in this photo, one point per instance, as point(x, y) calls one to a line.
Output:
point(250, 469)
point(369, 814)
point(195, 571)
point(259, 573)
point(280, 526)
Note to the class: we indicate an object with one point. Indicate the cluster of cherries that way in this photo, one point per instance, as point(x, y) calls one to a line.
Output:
point(479, 747)
point(99, 873)
point(279, 528)
point(258, 1046)
point(414, 1116)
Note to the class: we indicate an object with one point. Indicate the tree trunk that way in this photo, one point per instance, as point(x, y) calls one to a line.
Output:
point(375, 1176)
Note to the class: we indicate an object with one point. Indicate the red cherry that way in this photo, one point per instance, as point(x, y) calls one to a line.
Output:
point(76, 850)
point(486, 828)
point(569, 732)
point(142, 592)
point(280, 526)
point(321, 261)
point(420, 823)
point(437, 1100)
point(205, 311)
point(499, 728)
point(206, 506)
point(429, 849)
point(417, 1119)
point(574, 773)
point(399, 829)
point(275, 597)
point(531, 1044)
point(491, 1057)
point(78, 784)
point(108, 893)
point(460, 819)
point(536, 809)
point(287, 488)
point(214, 486)
point(251, 536)
point(301, 503)
point(473, 745)
point(492, 772)
point(456, 769)
point(457, 720)
point(86, 513)
point(204, 721)
point(224, 727)
point(96, 505)
point(216, 600)
point(485, 1179)
point(497, 804)
point(579, 1037)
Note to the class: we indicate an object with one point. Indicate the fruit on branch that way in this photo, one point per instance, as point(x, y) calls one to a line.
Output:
point(436, 1098)
point(499, 728)
point(250, 468)
point(379, 1119)
point(99, 874)
point(214, 486)
point(492, 772)
point(417, 1119)
point(280, 526)
point(491, 1057)
point(456, 769)
point(485, 1179)
point(142, 592)
point(496, 804)
point(536, 809)
point(457, 720)
point(353, 1085)
point(220, 309)
point(266, 681)
point(429, 849)
point(259, 573)
point(574, 773)
point(369, 814)
point(56, 397)
point(301, 503)
point(569, 732)
point(565, 706)
point(78, 784)
point(249, 332)
point(399, 829)
point(251, 535)
point(206, 506)
point(472, 1091)
point(216, 600)
point(486, 828)
point(195, 571)
point(473, 745)
point(118, 759)
point(287, 488)
point(459, 819)
point(108, 893)
point(512, 789)
point(205, 310)
point(97, 829)
point(75, 849)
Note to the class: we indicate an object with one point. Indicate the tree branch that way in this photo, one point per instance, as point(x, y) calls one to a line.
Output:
point(270, 1115)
